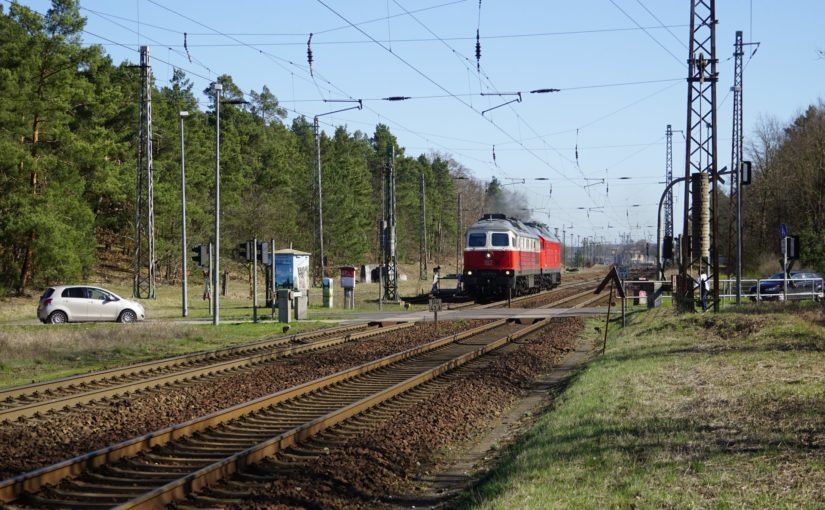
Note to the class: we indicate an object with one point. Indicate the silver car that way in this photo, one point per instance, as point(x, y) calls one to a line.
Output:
point(81, 303)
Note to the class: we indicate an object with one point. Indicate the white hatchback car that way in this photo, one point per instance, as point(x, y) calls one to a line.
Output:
point(80, 303)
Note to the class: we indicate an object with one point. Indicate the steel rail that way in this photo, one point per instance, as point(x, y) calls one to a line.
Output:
point(148, 381)
point(192, 482)
point(142, 368)
point(33, 481)
point(37, 398)
point(521, 299)
point(307, 452)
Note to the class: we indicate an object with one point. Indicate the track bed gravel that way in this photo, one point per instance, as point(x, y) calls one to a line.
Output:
point(31, 444)
point(382, 464)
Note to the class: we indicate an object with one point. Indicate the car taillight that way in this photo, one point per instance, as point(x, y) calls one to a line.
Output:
point(47, 302)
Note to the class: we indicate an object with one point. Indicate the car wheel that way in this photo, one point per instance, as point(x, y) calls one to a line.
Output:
point(127, 316)
point(58, 317)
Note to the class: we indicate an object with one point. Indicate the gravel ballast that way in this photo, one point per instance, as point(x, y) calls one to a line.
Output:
point(381, 464)
point(31, 444)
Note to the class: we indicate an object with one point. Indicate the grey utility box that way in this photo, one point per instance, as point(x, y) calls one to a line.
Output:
point(299, 305)
point(327, 289)
point(284, 305)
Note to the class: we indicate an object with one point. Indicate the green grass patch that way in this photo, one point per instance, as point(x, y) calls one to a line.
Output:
point(694, 411)
point(38, 353)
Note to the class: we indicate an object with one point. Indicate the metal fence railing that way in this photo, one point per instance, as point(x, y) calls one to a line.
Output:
point(641, 292)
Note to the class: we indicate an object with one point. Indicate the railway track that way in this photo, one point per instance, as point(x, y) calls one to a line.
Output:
point(525, 299)
point(33, 399)
point(36, 399)
point(167, 465)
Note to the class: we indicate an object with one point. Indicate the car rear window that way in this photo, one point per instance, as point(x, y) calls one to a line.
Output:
point(500, 239)
point(74, 292)
point(477, 240)
point(47, 293)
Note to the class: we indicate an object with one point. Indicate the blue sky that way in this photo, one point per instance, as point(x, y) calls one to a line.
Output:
point(620, 85)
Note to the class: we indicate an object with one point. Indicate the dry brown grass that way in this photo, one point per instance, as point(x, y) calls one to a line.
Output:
point(21, 343)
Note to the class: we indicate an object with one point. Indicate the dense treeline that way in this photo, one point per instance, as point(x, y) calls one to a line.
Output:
point(68, 122)
point(788, 187)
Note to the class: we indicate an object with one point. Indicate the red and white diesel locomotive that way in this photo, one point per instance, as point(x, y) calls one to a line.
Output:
point(503, 255)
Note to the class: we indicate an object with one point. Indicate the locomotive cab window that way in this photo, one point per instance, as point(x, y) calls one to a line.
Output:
point(500, 239)
point(477, 240)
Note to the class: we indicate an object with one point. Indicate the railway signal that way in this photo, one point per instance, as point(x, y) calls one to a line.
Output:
point(245, 251)
point(262, 250)
point(747, 169)
point(792, 247)
point(200, 255)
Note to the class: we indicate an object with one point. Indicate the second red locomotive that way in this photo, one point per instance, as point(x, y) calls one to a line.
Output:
point(504, 256)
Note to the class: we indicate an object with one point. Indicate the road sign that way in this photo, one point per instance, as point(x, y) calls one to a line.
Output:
point(783, 231)
point(435, 305)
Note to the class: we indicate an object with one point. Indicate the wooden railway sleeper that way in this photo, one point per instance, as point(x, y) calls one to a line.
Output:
point(194, 452)
point(92, 497)
point(240, 429)
point(213, 438)
point(198, 443)
point(113, 489)
point(164, 463)
point(107, 480)
point(40, 502)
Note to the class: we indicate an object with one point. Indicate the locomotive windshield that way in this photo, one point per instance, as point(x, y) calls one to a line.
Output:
point(477, 240)
point(500, 239)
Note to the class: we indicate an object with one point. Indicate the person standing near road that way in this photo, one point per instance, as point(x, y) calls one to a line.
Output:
point(704, 288)
point(436, 271)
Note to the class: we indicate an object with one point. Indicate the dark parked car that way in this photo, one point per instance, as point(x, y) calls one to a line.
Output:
point(801, 285)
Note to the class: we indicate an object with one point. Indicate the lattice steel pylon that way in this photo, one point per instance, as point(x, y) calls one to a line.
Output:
point(736, 146)
point(422, 248)
point(701, 253)
point(668, 180)
point(144, 259)
point(390, 257)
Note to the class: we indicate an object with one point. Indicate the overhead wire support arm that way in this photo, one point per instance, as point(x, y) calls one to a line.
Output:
point(516, 100)
point(522, 180)
point(360, 106)
point(319, 190)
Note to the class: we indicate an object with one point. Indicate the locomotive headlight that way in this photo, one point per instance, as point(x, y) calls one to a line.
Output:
point(507, 272)
point(469, 273)
point(488, 255)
